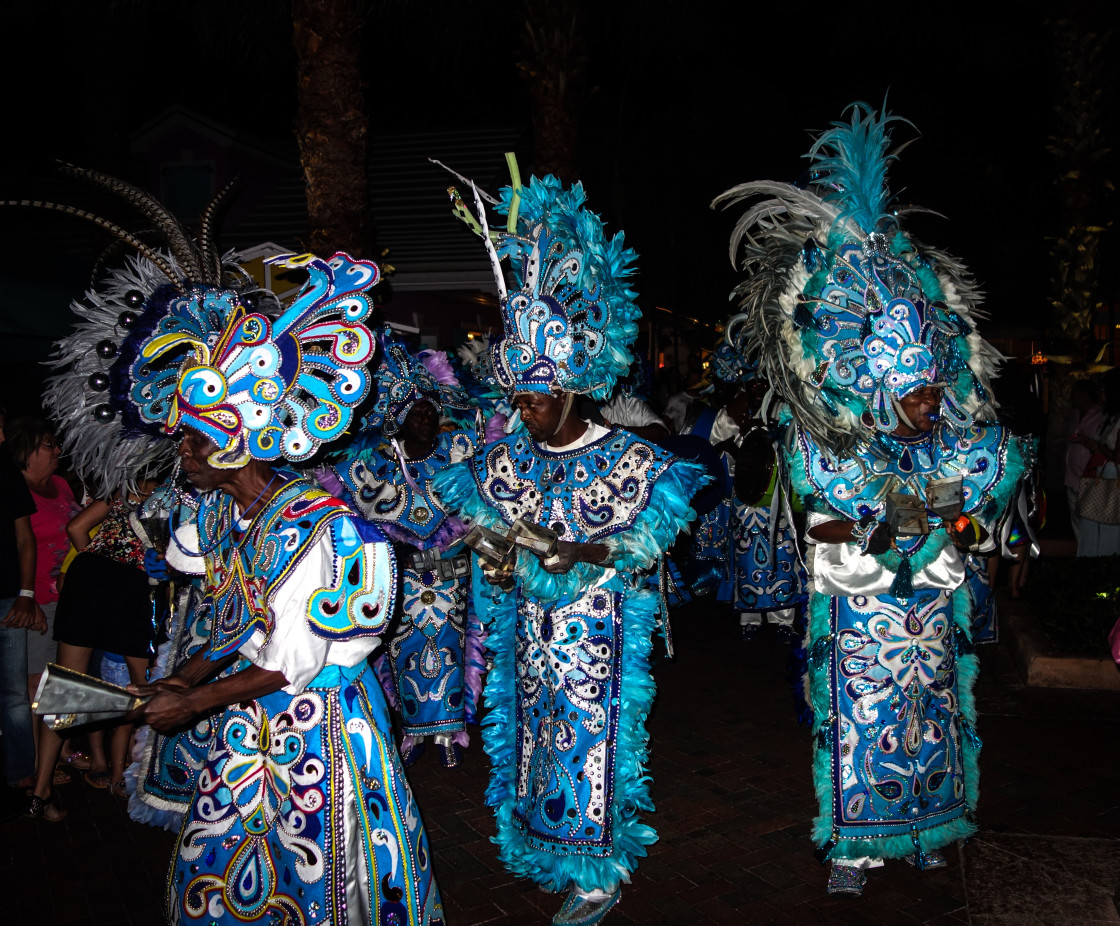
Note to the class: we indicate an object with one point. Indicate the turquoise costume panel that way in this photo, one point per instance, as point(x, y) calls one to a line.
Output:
point(302, 813)
point(427, 652)
point(897, 749)
point(768, 573)
point(570, 688)
point(431, 650)
point(243, 573)
point(288, 778)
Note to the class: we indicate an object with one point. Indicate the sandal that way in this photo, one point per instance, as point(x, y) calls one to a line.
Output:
point(45, 808)
point(61, 776)
point(119, 790)
point(100, 778)
point(77, 760)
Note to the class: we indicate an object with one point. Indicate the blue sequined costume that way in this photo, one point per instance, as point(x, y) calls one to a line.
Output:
point(302, 812)
point(435, 652)
point(570, 687)
point(891, 675)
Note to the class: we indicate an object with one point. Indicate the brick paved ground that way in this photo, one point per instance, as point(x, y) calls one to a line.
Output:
point(731, 782)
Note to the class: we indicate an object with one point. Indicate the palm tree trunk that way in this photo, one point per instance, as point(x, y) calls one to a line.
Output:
point(332, 126)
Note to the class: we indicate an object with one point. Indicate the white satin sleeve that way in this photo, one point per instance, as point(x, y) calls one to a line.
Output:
point(841, 569)
point(294, 649)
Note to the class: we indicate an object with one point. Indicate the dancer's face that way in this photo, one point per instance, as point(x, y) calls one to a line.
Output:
point(421, 424)
point(541, 413)
point(923, 408)
point(195, 449)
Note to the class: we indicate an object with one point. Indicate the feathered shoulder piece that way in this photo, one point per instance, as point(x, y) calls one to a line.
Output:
point(571, 318)
point(845, 313)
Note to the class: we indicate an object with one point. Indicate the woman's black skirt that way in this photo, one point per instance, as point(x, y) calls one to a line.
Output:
point(105, 605)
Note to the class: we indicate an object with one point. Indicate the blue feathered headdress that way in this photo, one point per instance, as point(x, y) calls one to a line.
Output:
point(404, 379)
point(262, 388)
point(844, 311)
point(570, 322)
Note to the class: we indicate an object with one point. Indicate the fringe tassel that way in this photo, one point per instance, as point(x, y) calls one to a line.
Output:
point(903, 584)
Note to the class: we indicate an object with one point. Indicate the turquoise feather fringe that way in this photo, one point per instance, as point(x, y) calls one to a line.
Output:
point(631, 785)
point(820, 625)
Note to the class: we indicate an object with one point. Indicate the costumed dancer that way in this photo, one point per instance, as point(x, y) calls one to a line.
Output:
point(768, 580)
point(302, 812)
point(569, 689)
point(709, 568)
point(870, 339)
point(436, 651)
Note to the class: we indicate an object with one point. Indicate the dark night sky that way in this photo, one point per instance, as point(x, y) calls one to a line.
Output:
point(683, 99)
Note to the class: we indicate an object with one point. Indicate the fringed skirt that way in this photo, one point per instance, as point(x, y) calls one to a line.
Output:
point(895, 762)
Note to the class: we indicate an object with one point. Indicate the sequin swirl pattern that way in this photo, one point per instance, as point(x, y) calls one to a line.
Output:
point(427, 653)
point(567, 715)
point(857, 485)
point(896, 750)
point(261, 780)
point(595, 491)
point(302, 798)
point(759, 584)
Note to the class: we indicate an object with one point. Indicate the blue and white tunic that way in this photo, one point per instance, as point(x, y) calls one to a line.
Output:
point(302, 813)
point(570, 687)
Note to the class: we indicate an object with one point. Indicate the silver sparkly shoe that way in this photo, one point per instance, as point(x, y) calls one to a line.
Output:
point(582, 911)
point(933, 859)
point(846, 879)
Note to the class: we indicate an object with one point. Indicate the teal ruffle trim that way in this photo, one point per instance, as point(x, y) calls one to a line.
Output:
point(631, 783)
point(820, 699)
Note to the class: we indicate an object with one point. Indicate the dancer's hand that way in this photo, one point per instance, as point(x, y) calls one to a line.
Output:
point(880, 540)
point(498, 574)
point(167, 710)
point(568, 554)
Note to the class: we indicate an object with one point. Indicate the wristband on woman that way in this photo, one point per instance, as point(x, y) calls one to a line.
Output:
point(27, 593)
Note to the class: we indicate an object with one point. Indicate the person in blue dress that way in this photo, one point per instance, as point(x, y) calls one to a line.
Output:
point(435, 652)
point(891, 441)
point(570, 630)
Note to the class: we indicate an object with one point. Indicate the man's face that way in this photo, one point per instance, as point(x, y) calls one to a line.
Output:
point(923, 408)
point(421, 424)
point(541, 413)
point(194, 453)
